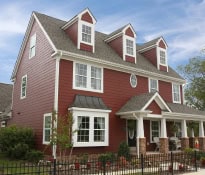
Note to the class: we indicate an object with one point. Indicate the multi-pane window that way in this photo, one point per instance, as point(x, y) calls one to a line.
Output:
point(162, 55)
point(47, 128)
point(129, 47)
point(95, 78)
point(23, 86)
point(176, 93)
point(99, 129)
point(32, 50)
point(88, 77)
point(83, 129)
point(86, 33)
point(155, 129)
point(91, 126)
point(81, 75)
point(153, 85)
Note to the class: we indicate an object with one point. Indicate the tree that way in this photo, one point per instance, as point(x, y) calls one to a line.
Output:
point(62, 134)
point(194, 73)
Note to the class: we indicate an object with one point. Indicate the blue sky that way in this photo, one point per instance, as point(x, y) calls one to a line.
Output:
point(181, 23)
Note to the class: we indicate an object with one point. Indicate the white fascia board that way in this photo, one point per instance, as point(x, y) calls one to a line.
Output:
point(89, 110)
point(118, 67)
point(147, 48)
point(184, 116)
point(129, 26)
point(160, 100)
point(161, 38)
point(133, 112)
point(113, 37)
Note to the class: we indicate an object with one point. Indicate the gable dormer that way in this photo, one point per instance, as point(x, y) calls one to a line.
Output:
point(123, 42)
point(156, 52)
point(81, 30)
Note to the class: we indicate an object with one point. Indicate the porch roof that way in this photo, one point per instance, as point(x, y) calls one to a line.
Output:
point(82, 101)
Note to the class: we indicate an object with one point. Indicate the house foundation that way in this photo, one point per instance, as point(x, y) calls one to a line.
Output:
point(164, 145)
point(192, 142)
point(184, 143)
point(201, 143)
point(142, 145)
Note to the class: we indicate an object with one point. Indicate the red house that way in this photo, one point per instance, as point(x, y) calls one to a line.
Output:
point(116, 89)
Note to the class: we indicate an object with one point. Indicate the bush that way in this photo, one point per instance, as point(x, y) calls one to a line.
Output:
point(107, 157)
point(16, 141)
point(34, 156)
point(124, 150)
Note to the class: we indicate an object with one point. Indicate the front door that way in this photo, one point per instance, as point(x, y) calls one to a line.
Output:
point(131, 132)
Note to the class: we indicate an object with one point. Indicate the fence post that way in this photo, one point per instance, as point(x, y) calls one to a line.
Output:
point(195, 160)
point(172, 167)
point(142, 163)
point(54, 167)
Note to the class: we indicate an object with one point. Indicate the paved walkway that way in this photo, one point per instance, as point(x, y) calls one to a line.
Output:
point(199, 172)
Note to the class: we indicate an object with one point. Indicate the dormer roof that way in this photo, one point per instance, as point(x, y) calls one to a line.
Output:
point(119, 32)
point(79, 16)
point(151, 44)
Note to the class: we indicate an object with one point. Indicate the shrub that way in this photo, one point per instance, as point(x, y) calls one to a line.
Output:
point(107, 157)
point(34, 156)
point(124, 150)
point(16, 141)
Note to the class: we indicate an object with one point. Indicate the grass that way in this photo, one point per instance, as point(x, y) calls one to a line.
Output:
point(8, 167)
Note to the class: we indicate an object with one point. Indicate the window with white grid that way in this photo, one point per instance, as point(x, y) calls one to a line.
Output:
point(176, 93)
point(86, 33)
point(32, 50)
point(129, 47)
point(155, 130)
point(47, 128)
point(153, 85)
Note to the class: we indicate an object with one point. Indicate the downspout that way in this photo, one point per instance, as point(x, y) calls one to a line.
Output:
point(58, 57)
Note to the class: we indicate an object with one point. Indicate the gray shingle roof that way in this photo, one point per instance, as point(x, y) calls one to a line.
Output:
point(136, 103)
point(102, 50)
point(147, 44)
point(82, 101)
point(5, 98)
point(179, 108)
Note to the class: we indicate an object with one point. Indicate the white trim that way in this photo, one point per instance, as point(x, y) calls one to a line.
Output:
point(88, 83)
point(46, 35)
point(91, 115)
point(147, 48)
point(125, 38)
point(80, 40)
point(32, 45)
point(149, 84)
point(118, 67)
point(113, 37)
point(3, 124)
point(24, 76)
point(89, 110)
point(158, 99)
point(158, 58)
point(131, 83)
point(44, 116)
point(151, 141)
point(178, 92)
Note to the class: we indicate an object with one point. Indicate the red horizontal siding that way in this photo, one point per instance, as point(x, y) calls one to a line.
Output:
point(86, 17)
point(115, 96)
point(163, 68)
point(151, 55)
point(162, 44)
point(39, 100)
point(154, 107)
point(129, 32)
point(129, 59)
point(86, 47)
point(72, 32)
point(116, 44)
point(165, 90)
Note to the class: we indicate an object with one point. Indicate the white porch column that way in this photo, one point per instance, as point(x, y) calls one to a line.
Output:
point(163, 128)
point(184, 129)
point(140, 127)
point(201, 129)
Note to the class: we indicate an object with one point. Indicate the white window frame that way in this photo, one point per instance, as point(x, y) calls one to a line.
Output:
point(151, 141)
point(3, 124)
point(32, 48)
point(44, 119)
point(80, 27)
point(125, 38)
point(131, 47)
point(88, 34)
point(24, 88)
point(88, 83)
point(158, 56)
point(150, 88)
point(91, 113)
point(173, 93)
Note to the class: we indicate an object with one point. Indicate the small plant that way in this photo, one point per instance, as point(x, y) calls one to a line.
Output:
point(124, 150)
point(34, 156)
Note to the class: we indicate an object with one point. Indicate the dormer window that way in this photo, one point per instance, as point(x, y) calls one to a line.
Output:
point(129, 47)
point(86, 33)
point(162, 55)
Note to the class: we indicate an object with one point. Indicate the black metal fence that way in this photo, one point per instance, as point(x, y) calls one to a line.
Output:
point(172, 163)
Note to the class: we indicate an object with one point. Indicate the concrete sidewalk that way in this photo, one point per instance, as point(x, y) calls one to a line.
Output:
point(199, 172)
